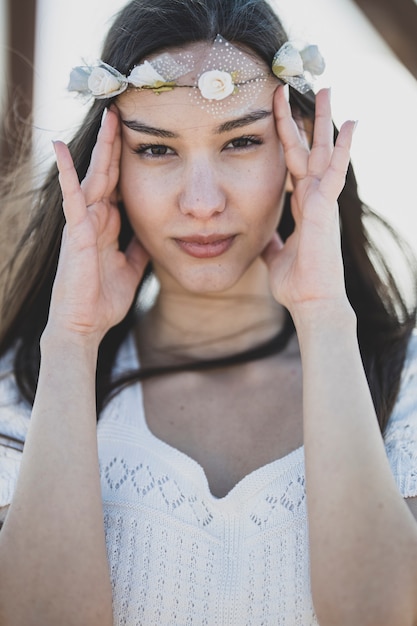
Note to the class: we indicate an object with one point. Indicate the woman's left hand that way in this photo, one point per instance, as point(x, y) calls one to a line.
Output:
point(307, 271)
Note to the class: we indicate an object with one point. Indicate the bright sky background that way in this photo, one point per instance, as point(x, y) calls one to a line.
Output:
point(368, 84)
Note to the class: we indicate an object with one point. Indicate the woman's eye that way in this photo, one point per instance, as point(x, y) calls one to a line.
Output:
point(154, 150)
point(244, 142)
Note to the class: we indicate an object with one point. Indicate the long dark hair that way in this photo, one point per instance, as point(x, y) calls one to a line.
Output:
point(385, 318)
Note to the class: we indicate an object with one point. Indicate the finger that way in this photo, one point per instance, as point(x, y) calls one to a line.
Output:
point(73, 204)
point(101, 178)
point(295, 148)
point(333, 180)
point(272, 250)
point(321, 150)
point(114, 168)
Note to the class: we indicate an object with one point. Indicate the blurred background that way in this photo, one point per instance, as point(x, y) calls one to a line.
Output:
point(370, 47)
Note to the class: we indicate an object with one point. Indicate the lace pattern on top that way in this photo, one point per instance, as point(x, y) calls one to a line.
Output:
point(178, 555)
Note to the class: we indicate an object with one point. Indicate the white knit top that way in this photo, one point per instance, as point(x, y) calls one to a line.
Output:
point(178, 555)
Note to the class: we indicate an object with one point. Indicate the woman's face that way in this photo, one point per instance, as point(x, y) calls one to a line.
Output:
point(203, 194)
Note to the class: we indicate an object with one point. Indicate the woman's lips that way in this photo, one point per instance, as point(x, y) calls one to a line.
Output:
point(205, 247)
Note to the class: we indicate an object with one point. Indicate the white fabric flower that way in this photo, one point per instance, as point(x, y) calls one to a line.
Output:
point(312, 60)
point(102, 83)
point(287, 62)
point(216, 85)
point(145, 75)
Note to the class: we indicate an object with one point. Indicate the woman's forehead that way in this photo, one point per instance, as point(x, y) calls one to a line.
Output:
point(179, 108)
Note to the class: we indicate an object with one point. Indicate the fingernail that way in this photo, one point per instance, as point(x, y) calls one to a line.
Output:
point(287, 92)
point(103, 117)
point(355, 125)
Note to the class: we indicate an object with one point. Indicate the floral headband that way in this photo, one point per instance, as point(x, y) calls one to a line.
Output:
point(222, 72)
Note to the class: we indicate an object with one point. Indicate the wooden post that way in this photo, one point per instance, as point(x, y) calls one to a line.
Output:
point(17, 106)
point(396, 21)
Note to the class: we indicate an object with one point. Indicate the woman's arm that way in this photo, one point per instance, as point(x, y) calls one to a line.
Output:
point(363, 538)
point(52, 549)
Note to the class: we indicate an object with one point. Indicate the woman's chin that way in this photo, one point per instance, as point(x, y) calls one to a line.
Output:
point(214, 278)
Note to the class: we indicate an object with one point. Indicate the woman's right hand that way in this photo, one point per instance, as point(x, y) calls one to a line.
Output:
point(95, 281)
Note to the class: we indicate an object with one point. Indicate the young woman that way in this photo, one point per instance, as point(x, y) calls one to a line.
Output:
point(209, 293)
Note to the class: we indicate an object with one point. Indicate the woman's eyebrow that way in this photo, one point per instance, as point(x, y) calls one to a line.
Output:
point(250, 118)
point(225, 127)
point(140, 127)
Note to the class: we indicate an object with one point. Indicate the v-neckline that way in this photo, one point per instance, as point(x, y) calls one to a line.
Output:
point(245, 488)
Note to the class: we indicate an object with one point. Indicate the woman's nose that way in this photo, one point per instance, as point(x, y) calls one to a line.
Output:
point(201, 193)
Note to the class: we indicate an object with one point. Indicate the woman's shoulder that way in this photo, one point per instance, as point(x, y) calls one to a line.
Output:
point(401, 433)
point(14, 410)
point(410, 365)
point(14, 423)
point(405, 409)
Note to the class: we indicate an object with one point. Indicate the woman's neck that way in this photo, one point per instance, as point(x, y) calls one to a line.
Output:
point(183, 325)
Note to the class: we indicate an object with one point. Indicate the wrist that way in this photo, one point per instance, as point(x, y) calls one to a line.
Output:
point(69, 344)
point(317, 318)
